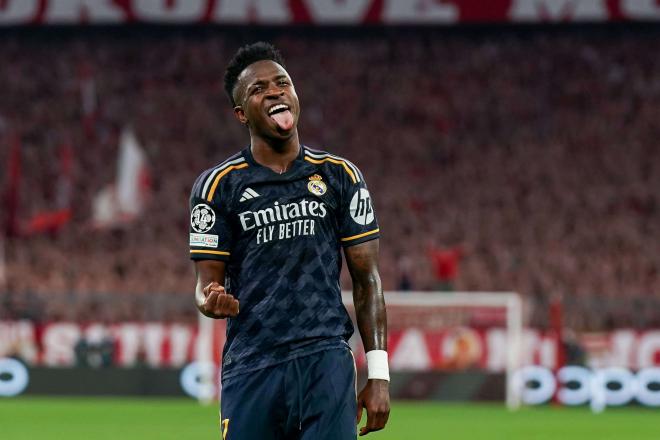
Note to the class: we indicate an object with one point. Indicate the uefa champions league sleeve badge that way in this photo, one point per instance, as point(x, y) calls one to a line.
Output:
point(202, 218)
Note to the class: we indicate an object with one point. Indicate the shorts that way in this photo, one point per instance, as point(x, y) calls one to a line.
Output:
point(307, 398)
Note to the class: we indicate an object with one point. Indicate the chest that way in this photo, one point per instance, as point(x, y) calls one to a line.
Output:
point(268, 212)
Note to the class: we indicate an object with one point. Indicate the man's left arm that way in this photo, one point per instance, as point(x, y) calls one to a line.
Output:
point(362, 262)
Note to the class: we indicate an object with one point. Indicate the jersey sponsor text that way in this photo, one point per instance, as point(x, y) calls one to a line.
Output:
point(263, 219)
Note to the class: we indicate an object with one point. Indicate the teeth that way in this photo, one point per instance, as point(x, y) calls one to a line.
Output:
point(276, 108)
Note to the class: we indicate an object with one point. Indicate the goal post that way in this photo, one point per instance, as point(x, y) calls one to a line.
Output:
point(206, 366)
point(420, 309)
point(465, 316)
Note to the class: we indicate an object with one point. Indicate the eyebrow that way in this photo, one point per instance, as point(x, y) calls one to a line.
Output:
point(263, 81)
point(257, 82)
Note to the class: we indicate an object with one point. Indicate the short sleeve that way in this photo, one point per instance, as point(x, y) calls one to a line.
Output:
point(357, 223)
point(210, 234)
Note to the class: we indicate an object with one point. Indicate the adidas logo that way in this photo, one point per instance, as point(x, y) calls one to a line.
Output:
point(248, 194)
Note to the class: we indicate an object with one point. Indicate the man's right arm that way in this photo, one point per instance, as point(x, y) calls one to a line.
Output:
point(210, 296)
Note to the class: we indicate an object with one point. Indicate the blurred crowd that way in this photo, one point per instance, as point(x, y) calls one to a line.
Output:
point(526, 163)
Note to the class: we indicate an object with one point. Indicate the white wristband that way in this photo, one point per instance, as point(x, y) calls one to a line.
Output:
point(377, 365)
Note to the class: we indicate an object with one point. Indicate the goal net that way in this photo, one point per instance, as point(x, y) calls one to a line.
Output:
point(428, 333)
point(457, 332)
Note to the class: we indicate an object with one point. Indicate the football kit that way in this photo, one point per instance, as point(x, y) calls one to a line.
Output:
point(281, 237)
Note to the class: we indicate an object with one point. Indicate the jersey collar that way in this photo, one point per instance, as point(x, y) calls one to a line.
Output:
point(298, 167)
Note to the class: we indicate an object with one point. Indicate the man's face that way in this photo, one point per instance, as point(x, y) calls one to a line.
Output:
point(266, 100)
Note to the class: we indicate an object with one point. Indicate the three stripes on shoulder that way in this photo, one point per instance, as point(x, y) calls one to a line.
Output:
point(212, 180)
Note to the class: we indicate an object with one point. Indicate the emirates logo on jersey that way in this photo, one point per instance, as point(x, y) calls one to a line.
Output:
point(278, 213)
point(283, 222)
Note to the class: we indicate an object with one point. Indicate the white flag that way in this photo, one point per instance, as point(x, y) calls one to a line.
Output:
point(123, 201)
point(131, 175)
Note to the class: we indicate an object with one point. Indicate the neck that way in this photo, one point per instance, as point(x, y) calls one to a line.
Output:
point(275, 154)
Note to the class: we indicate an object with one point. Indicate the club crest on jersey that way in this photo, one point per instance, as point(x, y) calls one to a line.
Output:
point(316, 185)
point(202, 218)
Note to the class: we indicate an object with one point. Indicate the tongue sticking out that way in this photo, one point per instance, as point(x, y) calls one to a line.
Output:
point(283, 119)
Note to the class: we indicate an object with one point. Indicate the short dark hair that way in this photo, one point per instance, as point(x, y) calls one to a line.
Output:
point(246, 55)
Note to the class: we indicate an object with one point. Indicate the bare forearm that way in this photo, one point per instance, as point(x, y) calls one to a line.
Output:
point(370, 312)
point(362, 262)
point(368, 298)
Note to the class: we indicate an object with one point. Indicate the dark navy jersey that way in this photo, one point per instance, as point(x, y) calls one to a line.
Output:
point(281, 237)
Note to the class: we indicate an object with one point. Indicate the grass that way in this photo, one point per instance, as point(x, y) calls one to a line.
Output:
point(162, 419)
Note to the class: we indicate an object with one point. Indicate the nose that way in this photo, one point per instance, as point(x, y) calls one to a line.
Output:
point(274, 92)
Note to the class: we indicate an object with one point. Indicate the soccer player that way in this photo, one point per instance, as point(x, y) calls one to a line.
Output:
point(267, 228)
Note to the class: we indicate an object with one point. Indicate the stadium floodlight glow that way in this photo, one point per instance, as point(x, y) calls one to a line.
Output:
point(14, 377)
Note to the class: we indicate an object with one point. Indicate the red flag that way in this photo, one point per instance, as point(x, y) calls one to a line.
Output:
point(54, 219)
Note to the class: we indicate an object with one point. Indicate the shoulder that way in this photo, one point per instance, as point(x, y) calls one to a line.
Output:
point(207, 182)
point(336, 164)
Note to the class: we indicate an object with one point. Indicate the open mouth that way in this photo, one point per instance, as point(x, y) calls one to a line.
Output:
point(281, 114)
point(277, 108)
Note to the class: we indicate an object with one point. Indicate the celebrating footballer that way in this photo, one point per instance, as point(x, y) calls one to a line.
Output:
point(267, 229)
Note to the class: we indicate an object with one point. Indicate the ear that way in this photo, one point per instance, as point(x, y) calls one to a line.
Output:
point(240, 114)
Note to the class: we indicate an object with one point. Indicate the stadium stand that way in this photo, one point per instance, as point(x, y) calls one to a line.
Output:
point(536, 155)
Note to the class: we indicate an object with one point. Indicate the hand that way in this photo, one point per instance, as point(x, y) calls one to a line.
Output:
point(375, 397)
point(218, 303)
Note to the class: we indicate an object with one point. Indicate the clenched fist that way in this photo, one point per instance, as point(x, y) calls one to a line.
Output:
point(218, 303)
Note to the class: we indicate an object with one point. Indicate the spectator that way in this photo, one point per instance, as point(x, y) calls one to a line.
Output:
point(445, 263)
point(547, 165)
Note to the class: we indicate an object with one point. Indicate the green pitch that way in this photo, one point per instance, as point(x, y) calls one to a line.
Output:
point(162, 419)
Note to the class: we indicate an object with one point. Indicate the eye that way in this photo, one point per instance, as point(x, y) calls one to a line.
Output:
point(283, 83)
